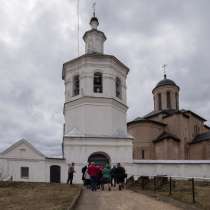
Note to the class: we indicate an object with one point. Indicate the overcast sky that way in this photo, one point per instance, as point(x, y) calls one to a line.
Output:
point(37, 37)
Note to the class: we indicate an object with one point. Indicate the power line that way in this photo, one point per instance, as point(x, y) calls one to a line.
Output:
point(78, 28)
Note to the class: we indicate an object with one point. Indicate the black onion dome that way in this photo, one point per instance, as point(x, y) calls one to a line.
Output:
point(166, 81)
point(94, 19)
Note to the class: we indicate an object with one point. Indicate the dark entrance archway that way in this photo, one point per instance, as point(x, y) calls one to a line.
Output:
point(99, 158)
point(55, 174)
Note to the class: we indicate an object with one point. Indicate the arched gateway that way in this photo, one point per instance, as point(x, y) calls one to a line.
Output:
point(100, 158)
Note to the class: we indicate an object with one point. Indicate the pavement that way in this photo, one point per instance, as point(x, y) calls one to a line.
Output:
point(119, 200)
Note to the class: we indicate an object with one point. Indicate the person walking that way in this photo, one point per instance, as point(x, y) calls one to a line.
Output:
point(106, 178)
point(92, 171)
point(71, 172)
point(120, 176)
point(87, 182)
point(99, 176)
point(113, 176)
point(84, 169)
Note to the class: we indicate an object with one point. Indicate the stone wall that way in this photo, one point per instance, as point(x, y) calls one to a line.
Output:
point(174, 168)
point(200, 151)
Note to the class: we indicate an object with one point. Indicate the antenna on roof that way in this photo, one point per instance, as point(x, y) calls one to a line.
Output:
point(78, 27)
point(164, 70)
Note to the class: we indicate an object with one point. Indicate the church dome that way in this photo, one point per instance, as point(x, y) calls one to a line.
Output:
point(94, 19)
point(166, 95)
point(166, 81)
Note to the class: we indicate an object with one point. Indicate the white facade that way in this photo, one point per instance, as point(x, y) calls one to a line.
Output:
point(23, 155)
point(88, 105)
point(171, 168)
point(79, 149)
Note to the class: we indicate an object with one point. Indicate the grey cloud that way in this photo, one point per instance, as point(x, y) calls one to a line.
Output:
point(36, 37)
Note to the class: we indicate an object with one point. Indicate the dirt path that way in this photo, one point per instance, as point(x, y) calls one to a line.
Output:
point(120, 200)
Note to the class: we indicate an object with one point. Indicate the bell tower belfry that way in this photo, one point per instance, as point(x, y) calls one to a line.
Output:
point(95, 108)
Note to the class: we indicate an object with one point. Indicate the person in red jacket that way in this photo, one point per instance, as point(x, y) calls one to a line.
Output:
point(92, 171)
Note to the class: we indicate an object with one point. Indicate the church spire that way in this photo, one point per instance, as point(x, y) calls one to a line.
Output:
point(94, 9)
point(94, 20)
point(94, 39)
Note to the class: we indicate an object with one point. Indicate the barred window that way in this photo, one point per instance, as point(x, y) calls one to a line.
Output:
point(98, 82)
point(76, 85)
point(24, 172)
point(118, 87)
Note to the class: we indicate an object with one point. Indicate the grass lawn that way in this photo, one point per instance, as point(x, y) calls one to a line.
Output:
point(36, 196)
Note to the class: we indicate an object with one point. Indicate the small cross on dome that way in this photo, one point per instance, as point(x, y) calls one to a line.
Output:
point(94, 9)
point(164, 70)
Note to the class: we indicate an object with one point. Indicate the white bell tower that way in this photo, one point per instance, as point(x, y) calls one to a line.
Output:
point(95, 103)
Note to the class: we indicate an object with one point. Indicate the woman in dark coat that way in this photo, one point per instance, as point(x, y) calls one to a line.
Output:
point(120, 176)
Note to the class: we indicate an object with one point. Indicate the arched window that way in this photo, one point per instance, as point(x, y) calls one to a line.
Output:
point(76, 85)
point(98, 83)
point(159, 101)
point(177, 100)
point(196, 130)
point(118, 87)
point(168, 100)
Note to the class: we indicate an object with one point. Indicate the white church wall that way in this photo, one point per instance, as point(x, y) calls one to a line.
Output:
point(173, 168)
point(12, 168)
point(78, 150)
point(119, 122)
point(4, 169)
point(96, 117)
point(39, 170)
point(58, 162)
point(85, 68)
point(94, 42)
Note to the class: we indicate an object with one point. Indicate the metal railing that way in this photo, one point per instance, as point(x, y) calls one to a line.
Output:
point(159, 181)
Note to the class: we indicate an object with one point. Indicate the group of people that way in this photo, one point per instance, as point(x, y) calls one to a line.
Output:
point(101, 177)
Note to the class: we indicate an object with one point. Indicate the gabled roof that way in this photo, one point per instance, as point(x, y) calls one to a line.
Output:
point(171, 112)
point(166, 135)
point(156, 113)
point(201, 137)
point(185, 113)
point(22, 141)
point(206, 126)
point(193, 113)
point(142, 120)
